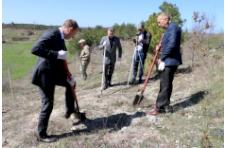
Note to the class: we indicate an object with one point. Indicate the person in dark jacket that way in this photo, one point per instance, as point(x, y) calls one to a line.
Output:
point(112, 43)
point(49, 72)
point(142, 41)
point(169, 61)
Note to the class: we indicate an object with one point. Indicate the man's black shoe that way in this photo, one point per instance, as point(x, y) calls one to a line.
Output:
point(104, 87)
point(140, 81)
point(132, 81)
point(67, 115)
point(47, 139)
point(110, 85)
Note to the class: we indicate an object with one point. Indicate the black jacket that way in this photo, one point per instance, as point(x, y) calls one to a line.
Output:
point(49, 70)
point(146, 41)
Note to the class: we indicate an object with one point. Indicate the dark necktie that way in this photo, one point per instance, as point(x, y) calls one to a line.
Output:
point(111, 41)
point(63, 45)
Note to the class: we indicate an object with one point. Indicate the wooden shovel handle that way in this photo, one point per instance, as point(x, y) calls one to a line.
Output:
point(72, 87)
point(153, 62)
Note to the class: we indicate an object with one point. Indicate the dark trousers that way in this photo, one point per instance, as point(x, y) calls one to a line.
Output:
point(139, 60)
point(47, 98)
point(109, 68)
point(166, 87)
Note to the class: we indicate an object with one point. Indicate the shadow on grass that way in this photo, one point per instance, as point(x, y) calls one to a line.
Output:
point(112, 123)
point(189, 101)
point(185, 70)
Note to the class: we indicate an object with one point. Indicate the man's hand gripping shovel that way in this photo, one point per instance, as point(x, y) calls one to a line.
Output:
point(78, 114)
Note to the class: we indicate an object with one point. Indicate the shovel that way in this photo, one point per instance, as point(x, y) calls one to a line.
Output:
point(131, 66)
point(139, 97)
point(103, 73)
point(78, 114)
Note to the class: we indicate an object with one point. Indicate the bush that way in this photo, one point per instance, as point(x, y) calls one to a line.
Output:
point(30, 32)
point(5, 84)
point(91, 35)
point(19, 38)
point(3, 40)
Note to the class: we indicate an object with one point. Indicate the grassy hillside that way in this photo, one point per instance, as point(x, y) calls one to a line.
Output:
point(197, 101)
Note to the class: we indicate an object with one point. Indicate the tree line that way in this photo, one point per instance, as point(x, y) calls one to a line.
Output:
point(34, 27)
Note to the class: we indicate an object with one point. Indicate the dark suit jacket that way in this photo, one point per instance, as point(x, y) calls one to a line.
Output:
point(49, 70)
point(111, 51)
point(146, 41)
point(171, 46)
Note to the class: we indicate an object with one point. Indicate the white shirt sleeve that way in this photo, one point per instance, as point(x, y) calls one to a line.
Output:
point(140, 44)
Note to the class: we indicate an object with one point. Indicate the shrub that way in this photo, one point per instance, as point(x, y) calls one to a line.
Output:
point(5, 84)
point(30, 32)
point(19, 38)
point(3, 40)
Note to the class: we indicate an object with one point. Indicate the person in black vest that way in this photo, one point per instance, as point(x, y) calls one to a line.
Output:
point(142, 40)
point(49, 72)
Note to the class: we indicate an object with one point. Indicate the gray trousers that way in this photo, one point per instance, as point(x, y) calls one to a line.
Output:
point(47, 99)
point(83, 68)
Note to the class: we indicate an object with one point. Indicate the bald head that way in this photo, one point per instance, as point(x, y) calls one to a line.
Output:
point(163, 20)
point(163, 15)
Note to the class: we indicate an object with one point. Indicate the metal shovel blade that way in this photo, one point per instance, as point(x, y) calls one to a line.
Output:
point(137, 100)
point(81, 116)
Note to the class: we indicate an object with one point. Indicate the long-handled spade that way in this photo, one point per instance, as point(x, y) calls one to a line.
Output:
point(139, 97)
point(103, 73)
point(131, 66)
point(81, 68)
point(132, 63)
point(78, 114)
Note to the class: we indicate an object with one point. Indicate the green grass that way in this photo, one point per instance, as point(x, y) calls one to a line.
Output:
point(17, 58)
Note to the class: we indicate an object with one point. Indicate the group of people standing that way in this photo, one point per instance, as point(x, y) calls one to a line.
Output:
point(51, 50)
point(111, 42)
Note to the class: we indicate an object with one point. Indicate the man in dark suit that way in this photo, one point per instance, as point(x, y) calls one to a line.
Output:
point(112, 43)
point(169, 61)
point(142, 40)
point(49, 71)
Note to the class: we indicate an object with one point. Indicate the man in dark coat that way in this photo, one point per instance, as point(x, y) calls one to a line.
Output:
point(112, 43)
point(169, 61)
point(49, 71)
point(142, 40)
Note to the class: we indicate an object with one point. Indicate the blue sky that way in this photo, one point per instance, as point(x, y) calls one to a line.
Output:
point(104, 12)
